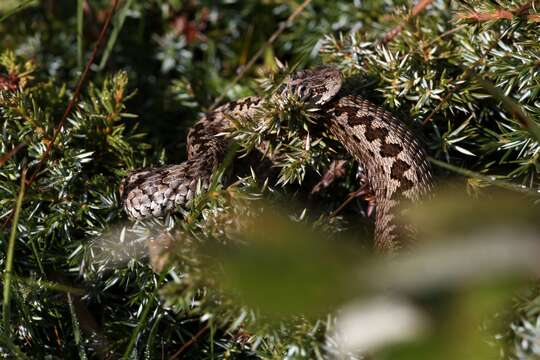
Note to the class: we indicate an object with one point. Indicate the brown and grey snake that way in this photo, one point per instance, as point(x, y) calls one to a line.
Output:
point(393, 159)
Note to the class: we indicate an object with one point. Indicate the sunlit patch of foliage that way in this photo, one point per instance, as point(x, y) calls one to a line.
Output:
point(88, 283)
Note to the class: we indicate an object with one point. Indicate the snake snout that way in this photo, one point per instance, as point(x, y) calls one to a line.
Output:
point(314, 87)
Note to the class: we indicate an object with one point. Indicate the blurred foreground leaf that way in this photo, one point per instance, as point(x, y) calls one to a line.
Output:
point(285, 268)
point(473, 256)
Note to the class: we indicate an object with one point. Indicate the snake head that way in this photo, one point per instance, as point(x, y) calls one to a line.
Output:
point(314, 86)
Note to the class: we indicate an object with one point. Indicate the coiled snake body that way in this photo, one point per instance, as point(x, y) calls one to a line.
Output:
point(394, 161)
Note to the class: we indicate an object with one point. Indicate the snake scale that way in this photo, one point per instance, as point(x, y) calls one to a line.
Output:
point(392, 157)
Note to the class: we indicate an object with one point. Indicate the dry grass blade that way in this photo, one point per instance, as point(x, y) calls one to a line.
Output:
point(142, 321)
point(118, 23)
point(80, 25)
point(76, 328)
point(17, 8)
point(488, 179)
point(9, 256)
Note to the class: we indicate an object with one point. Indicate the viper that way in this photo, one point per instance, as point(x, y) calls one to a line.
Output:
point(392, 157)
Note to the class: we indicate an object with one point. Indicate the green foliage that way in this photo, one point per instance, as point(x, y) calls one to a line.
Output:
point(426, 73)
point(463, 75)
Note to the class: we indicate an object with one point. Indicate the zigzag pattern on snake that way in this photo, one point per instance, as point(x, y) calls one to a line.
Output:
point(394, 161)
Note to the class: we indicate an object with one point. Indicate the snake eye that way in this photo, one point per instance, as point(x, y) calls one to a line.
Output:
point(317, 99)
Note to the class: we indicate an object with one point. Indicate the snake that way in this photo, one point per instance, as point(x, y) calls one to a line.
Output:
point(392, 157)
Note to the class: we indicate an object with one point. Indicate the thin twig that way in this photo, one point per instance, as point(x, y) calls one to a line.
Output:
point(350, 197)
point(498, 14)
point(4, 158)
point(334, 171)
point(76, 94)
point(194, 338)
point(282, 26)
point(418, 8)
